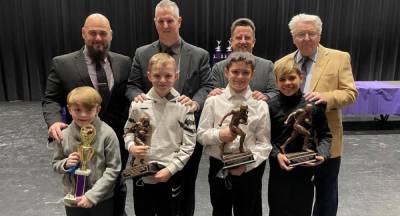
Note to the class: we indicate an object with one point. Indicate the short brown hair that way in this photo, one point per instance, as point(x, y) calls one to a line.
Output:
point(161, 58)
point(84, 95)
point(240, 56)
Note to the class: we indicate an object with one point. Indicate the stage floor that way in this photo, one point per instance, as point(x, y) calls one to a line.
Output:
point(369, 178)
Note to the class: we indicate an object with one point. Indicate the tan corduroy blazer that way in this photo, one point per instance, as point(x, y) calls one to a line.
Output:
point(332, 76)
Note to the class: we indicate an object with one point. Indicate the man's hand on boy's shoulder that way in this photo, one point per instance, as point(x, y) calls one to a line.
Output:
point(140, 98)
point(257, 95)
point(55, 130)
point(216, 91)
point(162, 176)
point(185, 100)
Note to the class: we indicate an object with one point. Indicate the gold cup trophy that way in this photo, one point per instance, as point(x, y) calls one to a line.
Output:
point(235, 159)
point(81, 175)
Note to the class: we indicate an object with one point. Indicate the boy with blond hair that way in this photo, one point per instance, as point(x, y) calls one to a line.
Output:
point(84, 106)
point(171, 143)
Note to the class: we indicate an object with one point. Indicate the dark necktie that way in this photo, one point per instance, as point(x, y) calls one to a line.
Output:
point(304, 64)
point(102, 85)
point(169, 51)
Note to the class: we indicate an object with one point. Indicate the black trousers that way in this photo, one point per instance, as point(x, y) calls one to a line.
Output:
point(161, 199)
point(189, 173)
point(326, 186)
point(290, 193)
point(244, 196)
point(104, 208)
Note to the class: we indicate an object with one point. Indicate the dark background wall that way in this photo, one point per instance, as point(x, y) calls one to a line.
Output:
point(34, 31)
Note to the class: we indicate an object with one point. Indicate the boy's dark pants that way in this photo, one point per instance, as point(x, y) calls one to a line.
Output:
point(326, 188)
point(161, 199)
point(244, 196)
point(290, 193)
point(104, 208)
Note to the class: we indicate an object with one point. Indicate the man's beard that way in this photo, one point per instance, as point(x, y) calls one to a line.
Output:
point(98, 55)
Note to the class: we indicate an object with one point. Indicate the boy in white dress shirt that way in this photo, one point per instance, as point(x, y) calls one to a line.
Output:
point(240, 190)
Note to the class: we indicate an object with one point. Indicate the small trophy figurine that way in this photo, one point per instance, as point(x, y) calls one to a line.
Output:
point(228, 49)
point(302, 125)
point(232, 160)
point(140, 167)
point(85, 150)
point(218, 56)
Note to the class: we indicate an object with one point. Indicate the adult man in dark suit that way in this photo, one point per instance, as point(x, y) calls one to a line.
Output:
point(194, 81)
point(93, 65)
point(243, 38)
point(328, 79)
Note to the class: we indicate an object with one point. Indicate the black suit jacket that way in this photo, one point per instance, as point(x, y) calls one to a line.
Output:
point(194, 74)
point(70, 71)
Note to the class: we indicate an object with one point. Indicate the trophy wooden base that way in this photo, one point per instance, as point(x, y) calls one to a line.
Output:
point(233, 160)
point(140, 170)
point(298, 158)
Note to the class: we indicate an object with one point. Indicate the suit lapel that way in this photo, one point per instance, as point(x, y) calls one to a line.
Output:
point(81, 67)
point(184, 66)
point(319, 66)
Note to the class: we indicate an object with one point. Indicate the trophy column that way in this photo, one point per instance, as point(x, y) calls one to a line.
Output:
point(81, 175)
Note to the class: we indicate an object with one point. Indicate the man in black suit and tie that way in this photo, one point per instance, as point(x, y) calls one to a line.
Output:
point(93, 65)
point(194, 81)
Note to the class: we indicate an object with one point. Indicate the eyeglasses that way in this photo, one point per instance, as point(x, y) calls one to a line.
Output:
point(302, 35)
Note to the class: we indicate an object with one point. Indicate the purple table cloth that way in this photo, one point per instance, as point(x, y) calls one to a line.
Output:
point(375, 98)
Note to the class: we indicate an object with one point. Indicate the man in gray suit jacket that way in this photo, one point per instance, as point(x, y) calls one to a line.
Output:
point(95, 66)
point(194, 81)
point(243, 38)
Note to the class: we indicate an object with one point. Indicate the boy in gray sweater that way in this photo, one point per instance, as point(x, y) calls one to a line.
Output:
point(172, 140)
point(105, 164)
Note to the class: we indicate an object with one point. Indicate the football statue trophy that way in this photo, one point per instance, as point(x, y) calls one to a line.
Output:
point(140, 167)
point(302, 125)
point(218, 55)
point(85, 150)
point(235, 159)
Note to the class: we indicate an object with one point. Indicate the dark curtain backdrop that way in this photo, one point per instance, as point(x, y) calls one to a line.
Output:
point(34, 31)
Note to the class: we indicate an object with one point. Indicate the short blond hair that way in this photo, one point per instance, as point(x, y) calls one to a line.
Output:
point(162, 59)
point(84, 95)
point(286, 71)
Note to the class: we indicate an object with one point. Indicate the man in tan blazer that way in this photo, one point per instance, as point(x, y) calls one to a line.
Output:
point(328, 79)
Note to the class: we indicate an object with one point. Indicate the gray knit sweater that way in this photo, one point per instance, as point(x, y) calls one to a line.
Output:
point(105, 164)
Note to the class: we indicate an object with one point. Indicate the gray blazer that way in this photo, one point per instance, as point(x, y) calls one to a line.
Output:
point(263, 81)
point(70, 71)
point(194, 76)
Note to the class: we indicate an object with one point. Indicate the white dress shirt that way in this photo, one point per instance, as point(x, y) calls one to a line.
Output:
point(257, 130)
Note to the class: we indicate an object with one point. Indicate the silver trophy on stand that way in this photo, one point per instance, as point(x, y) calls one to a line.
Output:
point(218, 56)
point(228, 49)
point(235, 159)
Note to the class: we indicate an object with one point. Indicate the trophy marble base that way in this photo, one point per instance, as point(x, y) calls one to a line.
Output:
point(233, 160)
point(298, 158)
point(140, 170)
point(70, 200)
